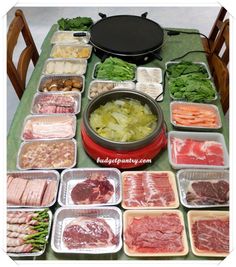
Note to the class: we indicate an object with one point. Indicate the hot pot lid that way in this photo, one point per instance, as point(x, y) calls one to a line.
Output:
point(126, 35)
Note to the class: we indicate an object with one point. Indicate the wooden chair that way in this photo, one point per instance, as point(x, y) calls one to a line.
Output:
point(17, 74)
point(208, 44)
point(220, 75)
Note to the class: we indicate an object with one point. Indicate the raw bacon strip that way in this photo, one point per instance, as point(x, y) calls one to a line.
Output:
point(49, 194)
point(15, 234)
point(15, 242)
point(23, 228)
point(20, 249)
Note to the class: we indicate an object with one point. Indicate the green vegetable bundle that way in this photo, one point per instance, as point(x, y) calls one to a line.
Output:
point(123, 120)
point(115, 69)
point(186, 67)
point(75, 24)
point(192, 88)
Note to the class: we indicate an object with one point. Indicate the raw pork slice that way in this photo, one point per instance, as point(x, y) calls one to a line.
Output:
point(147, 189)
point(160, 234)
point(95, 190)
point(15, 191)
point(196, 152)
point(87, 232)
point(208, 192)
point(211, 235)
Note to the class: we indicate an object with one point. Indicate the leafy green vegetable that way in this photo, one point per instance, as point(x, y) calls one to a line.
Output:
point(186, 67)
point(124, 120)
point(75, 24)
point(192, 88)
point(115, 69)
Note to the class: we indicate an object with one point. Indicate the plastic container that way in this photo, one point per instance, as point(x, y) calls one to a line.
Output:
point(74, 47)
point(51, 121)
point(51, 175)
point(197, 106)
point(65, 215)
point(32, 254)
point(107, 86)
point(195, 62)
point(46, 78)
point(38, 96)
point(67, 37)
point(70, 178)
point(196, 215)
point(25, 145)
point(155, 90)
point(76, 66)
point(199, 136)
point(129, 214)
point(94, 75)
point(185, 177)
point(149, 75)
point(171, 178)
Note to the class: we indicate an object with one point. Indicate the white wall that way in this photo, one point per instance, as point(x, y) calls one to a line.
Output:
point(40, 20)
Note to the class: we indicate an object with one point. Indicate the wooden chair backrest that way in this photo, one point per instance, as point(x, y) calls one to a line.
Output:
point(17, 74)
point(220, 75)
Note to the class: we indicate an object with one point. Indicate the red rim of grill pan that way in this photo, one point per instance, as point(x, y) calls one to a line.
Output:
point(96, 151)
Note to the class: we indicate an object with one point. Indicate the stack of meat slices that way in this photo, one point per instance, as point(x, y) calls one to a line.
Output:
point(154, 233)
point(149, 189)
point(209, 232)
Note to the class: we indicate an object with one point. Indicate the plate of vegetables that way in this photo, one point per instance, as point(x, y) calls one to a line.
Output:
point(75, 24)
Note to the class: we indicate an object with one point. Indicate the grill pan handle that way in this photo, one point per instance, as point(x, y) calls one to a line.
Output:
point(103, 16)
point(79, 34)
point(157, 55)
point(144, 15)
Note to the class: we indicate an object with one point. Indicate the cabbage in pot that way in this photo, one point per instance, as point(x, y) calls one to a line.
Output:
point(124, 120)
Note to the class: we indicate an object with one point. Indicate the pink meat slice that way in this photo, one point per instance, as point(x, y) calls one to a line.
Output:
point(16, 190)
point(49, 194)
point(9, 179)
point(156, 234)
point(94, 190)
point(87, 232)
point(211, 235)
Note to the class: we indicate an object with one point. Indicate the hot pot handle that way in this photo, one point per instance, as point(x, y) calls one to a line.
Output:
point(102, 15)
point(144, 15)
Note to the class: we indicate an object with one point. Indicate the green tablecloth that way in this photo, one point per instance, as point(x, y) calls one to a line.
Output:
point(173, 47)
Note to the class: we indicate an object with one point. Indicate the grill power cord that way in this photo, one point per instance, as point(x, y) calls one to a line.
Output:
point(173, 33)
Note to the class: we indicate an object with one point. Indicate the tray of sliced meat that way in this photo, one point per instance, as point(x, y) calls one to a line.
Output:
point(27, 231)
point(87, 230)
point(203, 188)
point(209, 232)
point(154, 233)
point(149, 190)
point(56, 103)
point(61, 83)
point(32, 188)
point(47, 154)
point(197, 150)
point(90, 186)
point(195, 116)
point(38, 127)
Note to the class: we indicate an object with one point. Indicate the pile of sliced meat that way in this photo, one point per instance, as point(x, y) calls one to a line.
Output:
point(211, 235)
point(147, 189)
point(155, 234)
point(208, 192)
point(30, 192)
point(194, 115)
point(41, 128)
point(196, 152)
point(88, 232)
point(97, 189)
point(43, 154)
point(27, 231)
point(50, 104)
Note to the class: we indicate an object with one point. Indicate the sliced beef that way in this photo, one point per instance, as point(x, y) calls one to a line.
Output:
point(95, 190)
point(211, 235)
point(87, 232)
